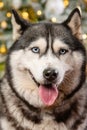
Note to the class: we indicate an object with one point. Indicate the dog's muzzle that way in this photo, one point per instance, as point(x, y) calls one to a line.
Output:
point(48, 91)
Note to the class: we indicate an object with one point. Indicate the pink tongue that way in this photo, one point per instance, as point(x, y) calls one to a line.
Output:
point(48, 95)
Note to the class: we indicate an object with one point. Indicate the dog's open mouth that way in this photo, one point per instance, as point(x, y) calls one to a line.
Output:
point(48, 92)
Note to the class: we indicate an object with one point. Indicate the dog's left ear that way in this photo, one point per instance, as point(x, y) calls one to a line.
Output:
point(74, 23)
point(19, 25)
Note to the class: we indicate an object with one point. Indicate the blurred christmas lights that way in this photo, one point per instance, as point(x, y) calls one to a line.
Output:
point(66, 3)
point(4, 24)
point(53, 19)
point(84, 36)
point(39, 12)
point(1, 4)
point(25, 15)
point(8, 14)
point(3, 49)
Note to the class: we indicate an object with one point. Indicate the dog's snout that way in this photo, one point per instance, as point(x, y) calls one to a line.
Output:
point(50, 74)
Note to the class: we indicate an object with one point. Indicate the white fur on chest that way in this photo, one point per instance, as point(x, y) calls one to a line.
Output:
point(5, 125)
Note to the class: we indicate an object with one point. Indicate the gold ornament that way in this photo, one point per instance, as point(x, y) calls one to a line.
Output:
point(3, 49)
point(28, 13)
point(32, 15)
point(66, 3)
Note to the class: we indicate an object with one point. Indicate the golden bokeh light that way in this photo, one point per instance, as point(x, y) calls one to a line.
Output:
point(84, 36)
point(4, 24)
point(39, 12)
point(25, 15)
point(3, 49)
point(53, 19)
point(1, 4)
point(66, 3)
point(8, 14)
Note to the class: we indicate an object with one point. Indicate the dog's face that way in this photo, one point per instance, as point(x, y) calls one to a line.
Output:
point(46, 60)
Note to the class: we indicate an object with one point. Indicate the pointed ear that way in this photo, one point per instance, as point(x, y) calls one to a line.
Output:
point(19, 25)
point(74, 23)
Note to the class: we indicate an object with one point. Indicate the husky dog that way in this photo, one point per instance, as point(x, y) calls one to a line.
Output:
point(44, 84)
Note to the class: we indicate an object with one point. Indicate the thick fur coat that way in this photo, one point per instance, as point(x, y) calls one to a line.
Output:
point(44, 84)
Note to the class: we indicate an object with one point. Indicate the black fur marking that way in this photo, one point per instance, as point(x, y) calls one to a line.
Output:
point(34, 117)
point(63, 116)
point(82, 80)
point(48, 28)
point(78, 122)
point(81, 119)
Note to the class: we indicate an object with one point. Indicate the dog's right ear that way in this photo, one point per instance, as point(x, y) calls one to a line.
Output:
point(74, 23)
point(19, 25)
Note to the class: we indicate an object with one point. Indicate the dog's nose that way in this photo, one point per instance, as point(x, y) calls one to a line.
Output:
point(50, 74)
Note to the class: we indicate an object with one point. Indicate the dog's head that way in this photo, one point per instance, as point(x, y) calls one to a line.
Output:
point(47, 60)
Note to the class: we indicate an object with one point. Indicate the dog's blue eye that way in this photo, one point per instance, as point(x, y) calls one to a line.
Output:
point(62, 51)
point(35, 49)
